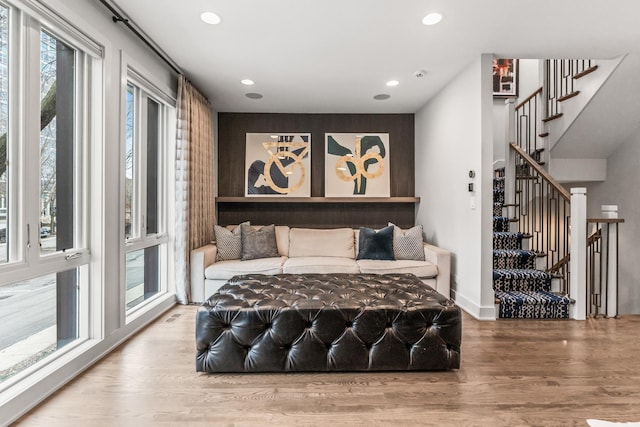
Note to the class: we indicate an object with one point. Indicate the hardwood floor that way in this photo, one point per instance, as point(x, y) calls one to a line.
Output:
point(512, 374)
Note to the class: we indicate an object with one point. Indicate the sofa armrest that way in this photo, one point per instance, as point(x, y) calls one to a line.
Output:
point(441, 258)
point(201, 258)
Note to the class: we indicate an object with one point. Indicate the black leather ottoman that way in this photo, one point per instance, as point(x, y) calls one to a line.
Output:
point(327, 322)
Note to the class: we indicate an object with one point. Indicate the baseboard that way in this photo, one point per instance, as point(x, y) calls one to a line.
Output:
point(473, 309)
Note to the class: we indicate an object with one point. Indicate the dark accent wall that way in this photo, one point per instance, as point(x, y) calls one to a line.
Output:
point(232, 129)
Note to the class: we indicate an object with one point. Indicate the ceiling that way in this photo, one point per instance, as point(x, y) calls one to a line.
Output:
point(334, 56)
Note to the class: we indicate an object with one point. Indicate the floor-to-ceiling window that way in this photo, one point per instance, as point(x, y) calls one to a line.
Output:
point(146, 118)
point(45, 86)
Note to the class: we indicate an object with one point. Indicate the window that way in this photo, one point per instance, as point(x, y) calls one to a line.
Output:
point(4, 130)
point(145, 135)
point(44, 253)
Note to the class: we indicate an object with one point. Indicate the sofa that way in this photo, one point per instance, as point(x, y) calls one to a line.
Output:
point(316, 251)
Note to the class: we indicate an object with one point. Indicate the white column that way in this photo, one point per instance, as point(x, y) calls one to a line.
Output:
point(610, 249)
point(578, 262)
point(510, 158)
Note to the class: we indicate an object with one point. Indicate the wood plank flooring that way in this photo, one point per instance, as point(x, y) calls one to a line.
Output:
point(512, 374)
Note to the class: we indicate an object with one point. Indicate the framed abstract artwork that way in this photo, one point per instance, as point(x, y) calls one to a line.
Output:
point(505, 77)
point(357, 165)
point(278, 164)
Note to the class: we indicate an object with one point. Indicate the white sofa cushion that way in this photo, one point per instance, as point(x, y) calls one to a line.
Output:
point(419, 268)
point(224, 270)
point(282, 239)
point(320, 265)
point(308, 242)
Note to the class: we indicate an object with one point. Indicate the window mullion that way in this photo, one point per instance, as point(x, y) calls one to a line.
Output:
point(142, 165)
point(30, 170)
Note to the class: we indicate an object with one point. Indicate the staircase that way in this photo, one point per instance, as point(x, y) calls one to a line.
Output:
point(521, 290)
point(544, 266)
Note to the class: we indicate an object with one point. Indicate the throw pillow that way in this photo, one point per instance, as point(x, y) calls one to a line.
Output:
point(376, 245)
point(408, 244)
point(259, 243)
point(229, 242)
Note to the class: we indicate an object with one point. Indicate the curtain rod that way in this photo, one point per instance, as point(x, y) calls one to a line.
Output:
point(117, 17)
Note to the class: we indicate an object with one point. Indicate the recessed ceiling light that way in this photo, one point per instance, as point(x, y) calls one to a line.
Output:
point(432, 18)
point(392, 83)
point(253, 95)
point(247, 82)
point(210, 18)
point(382, 97)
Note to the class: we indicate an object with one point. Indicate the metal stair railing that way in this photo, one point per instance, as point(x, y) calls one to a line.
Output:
point(543, 209)
point(602, 268)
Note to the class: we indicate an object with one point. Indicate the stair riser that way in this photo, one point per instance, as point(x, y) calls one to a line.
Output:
point(508, 263)
point(501, 224)
point(522, 285)
point(530, 311)
point(507, 242)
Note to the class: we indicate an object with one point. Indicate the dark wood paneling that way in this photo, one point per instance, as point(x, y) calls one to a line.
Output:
point(232, 129)
point(318, 215)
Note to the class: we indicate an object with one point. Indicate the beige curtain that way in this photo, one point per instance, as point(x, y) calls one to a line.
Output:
point(195, 198)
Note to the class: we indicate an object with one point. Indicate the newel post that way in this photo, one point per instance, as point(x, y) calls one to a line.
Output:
point(610, 245)
point(578, 262)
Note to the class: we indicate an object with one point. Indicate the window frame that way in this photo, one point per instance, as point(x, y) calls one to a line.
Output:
point(146, 88)
point(26, 262)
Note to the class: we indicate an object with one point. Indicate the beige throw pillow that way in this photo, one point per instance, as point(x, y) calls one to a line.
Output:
point(408, 244)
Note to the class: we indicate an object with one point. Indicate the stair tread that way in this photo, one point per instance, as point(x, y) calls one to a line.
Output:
point(585, 72)
point(569, 96)
point(553, 117)
point(510, 233)
point(520, 273)
point(515, 251)
point(533, 297)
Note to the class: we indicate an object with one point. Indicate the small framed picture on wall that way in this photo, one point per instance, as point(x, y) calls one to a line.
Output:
point(505, 77)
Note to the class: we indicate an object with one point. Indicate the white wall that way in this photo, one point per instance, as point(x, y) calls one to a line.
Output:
point(529, 80)
point(111, 328)
point(623, 174)
point(454, 133)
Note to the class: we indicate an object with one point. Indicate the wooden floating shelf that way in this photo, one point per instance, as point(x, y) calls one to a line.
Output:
point(276, 199)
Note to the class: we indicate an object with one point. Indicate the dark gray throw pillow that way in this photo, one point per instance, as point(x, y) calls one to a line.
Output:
point(376, 245)
point(259, 243)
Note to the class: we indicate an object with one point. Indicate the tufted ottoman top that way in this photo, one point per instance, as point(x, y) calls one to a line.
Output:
point(400, 291)
point(324, 322)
